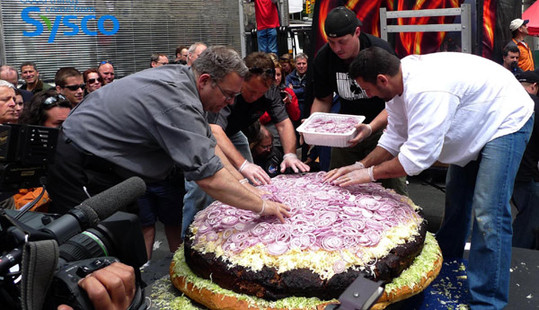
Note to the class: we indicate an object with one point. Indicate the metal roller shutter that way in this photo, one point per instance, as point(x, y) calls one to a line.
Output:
point(145, 27)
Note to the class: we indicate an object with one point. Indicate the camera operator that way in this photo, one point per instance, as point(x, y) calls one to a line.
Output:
point(146, 123)
point(110, 288)
point(264, 152)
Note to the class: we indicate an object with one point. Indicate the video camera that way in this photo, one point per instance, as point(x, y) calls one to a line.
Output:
point(59, 250)
point(85, 244)
point(25, 152)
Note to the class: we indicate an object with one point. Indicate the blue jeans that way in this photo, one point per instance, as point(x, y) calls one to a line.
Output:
point(267, 40)
point(195, 198)
point(526, 200)
point(481, 191)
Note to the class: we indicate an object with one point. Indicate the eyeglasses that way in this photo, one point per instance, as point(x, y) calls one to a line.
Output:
point(75, 87)
point(270, 72)
point(162, 63)
point(53, 100)
point(92, 81)
point(228, 97)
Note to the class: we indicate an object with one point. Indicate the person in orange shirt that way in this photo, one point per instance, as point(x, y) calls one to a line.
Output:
point(519, 29)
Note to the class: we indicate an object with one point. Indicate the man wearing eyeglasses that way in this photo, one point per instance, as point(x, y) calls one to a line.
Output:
point(106, 71)
point(158, 60)
point(148, 123)
point(257, 96)
point(70, 84)
point(331, 64)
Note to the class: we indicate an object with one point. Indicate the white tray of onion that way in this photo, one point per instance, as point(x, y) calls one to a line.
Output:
point(329, 129)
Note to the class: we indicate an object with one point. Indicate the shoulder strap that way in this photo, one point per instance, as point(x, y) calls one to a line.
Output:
point(39, 262)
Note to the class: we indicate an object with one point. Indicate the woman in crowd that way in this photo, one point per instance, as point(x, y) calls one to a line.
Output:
point(92, 79)
point(287, 63)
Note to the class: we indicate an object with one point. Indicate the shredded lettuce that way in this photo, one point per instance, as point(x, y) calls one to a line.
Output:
point(410, 277)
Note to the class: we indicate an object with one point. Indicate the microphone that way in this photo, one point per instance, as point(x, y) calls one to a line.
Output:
point(95, 209)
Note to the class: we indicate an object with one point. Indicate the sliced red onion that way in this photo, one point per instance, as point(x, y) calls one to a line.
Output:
point(202, 228)
point(282, 236)
point(332, 243)
point(268, 237)
point(277, 248)
point(211, 236)
point(227, 233)
point(295, 242)
point(352, 211)
point(237, 237)
point(323, 216)
point(214, 213)
point(247, 217)
point(339, 266)
point(327, 219)
point(229, 220)
point(260, 229)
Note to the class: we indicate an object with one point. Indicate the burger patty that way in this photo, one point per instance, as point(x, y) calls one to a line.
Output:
point(268, 284)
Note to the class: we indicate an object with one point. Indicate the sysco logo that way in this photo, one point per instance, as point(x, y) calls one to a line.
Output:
point(69, 21)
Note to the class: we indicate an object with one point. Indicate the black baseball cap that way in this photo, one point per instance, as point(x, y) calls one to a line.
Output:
point(528, 76)
point(340, 22)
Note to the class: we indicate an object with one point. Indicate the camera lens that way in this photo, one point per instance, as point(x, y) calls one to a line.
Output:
point(88, 244)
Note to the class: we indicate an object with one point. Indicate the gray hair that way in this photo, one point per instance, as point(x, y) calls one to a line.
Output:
point(302, 56)
point(194, 46)
point(218, 61)
point(4, 83)
point(6, 68)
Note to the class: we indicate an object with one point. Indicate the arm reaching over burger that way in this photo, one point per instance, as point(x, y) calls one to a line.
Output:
point(224, 187)
point(366, 171)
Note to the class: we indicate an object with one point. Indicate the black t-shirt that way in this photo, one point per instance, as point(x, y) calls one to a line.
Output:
point(241, 114)
point(528, 166)
point(331, 75)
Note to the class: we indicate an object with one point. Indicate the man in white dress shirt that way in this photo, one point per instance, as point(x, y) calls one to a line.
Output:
point(465, 111)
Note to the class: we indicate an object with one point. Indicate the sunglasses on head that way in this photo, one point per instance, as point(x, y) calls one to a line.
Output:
point(75, 87)
point(92, 81)
point(105, 62)
point(269, 72)
point(53, 99)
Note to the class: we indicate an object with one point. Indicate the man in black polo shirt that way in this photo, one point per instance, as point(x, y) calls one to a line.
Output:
point(345, 40)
